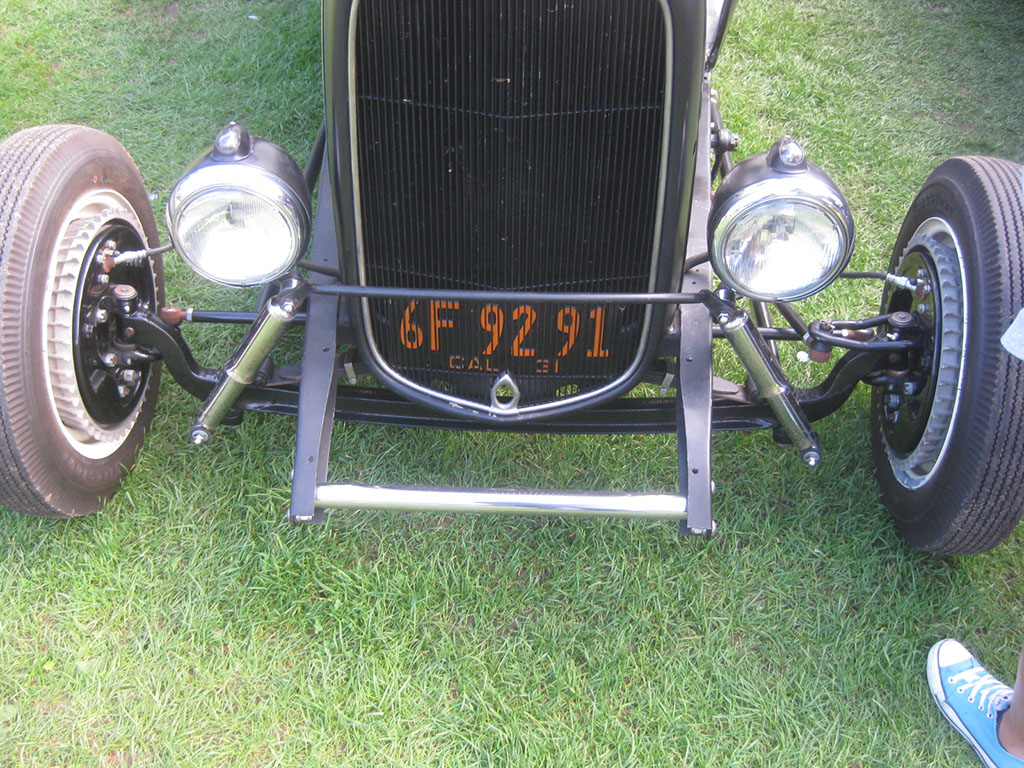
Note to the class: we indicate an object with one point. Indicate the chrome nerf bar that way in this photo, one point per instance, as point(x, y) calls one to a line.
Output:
point(550, 503)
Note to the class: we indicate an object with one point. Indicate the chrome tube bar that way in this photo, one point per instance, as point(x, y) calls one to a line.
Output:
point(531, 297)
point(244, 365)
point(542, 503)
point(771, 382)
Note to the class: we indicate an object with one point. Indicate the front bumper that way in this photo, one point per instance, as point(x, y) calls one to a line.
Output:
point(535, 503)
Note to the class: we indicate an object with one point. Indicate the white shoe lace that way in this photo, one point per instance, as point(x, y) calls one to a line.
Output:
point(983, 688)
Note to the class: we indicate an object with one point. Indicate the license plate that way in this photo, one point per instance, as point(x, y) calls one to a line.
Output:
point(494, 338)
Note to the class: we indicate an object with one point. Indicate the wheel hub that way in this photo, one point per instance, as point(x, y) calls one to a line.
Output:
point(920, 403)
point(908, 400)
point(95, 378)
point(110, 371)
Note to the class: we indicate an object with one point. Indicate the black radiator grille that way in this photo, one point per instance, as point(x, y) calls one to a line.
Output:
point(516, 145)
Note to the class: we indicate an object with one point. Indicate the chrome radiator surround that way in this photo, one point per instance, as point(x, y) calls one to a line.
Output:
point(675, 178)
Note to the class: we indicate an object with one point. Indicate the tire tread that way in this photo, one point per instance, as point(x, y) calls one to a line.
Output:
point(999, 502)
point(22, 158)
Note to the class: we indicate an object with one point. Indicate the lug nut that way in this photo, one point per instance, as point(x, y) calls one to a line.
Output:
point(901, 319)
point(110, 359)
point(125, 292)
point(127, 297)
point(103, 278)
point(102, 316)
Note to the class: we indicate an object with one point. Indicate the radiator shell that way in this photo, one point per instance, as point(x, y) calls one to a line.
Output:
point(504, 145)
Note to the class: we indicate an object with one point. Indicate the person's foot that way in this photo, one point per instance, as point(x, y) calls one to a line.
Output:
point(972, 700)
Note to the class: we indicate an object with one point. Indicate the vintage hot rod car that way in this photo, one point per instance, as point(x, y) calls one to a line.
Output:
point(527, 214)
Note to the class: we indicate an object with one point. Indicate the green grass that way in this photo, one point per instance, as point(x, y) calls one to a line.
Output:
point(187, 624)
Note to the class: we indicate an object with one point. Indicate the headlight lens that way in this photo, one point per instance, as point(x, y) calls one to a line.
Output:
point(780, 247)
point(240, 222)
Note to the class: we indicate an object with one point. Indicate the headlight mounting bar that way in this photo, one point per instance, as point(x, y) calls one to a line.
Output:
point(534, 297)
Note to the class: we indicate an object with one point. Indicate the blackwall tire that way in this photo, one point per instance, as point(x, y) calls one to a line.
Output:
point(952, 478)
point(62, 188)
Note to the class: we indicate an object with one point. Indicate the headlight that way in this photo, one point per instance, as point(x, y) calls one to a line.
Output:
point(779, 228)
point(241, 214)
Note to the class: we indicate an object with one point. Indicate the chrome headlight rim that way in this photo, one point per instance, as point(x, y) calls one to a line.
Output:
point(267, 175)
point(802, 188)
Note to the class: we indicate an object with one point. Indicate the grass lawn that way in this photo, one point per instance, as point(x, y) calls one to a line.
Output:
point(188, 625)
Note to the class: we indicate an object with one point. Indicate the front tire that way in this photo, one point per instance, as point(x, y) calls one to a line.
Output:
point(75, 401)
point(949, 450)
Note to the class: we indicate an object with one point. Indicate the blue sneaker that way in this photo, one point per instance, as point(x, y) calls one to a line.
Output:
point(971, 699)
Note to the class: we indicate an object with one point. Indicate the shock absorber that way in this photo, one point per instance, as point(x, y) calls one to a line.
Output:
point(244, 365)
point(771, 382)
